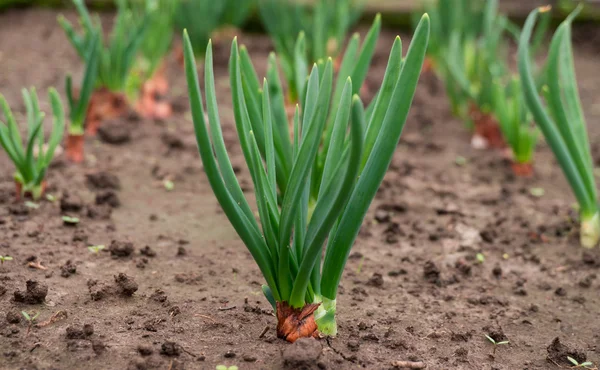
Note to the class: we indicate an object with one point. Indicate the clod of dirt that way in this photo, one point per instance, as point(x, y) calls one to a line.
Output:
point(145, 350)
point(126, 284)
point(2, 291)
point(463, 266)
point(18, 209)
point(497, 272)
point(170, 349)
point(102, 212)
point(229, 354)
point(103, 180)
point(159, 296)
point(70, 203)
point(495, 333)
point(302, 355)
point(108, 197)
point(98, 291)
point(249, 358)
point(431, 273)
point(115, 133)
point(382, 216)
point(98, 347)
point(35, 294)
point(172, 140)
point(558, 352)
point(80, 236)
point(68, 269)
point(148, 252)
point(79, 333)
point(120, 249)
point(13, 317)
point(376, 280)
point(181, 251)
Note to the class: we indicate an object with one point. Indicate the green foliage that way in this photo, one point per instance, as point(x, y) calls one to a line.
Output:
point(287, 245)
point(5, 258)
point(117, 57)
point(562, 120)
point(159, 33)
point(78, 106)
point(305, 34)
point(202, 17)
point(32, 158)
point(515, 120)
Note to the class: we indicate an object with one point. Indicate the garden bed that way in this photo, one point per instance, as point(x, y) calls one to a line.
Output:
point(454, 247)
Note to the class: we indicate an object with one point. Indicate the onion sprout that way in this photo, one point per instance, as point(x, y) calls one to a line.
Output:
point(287, 246)
point(562, 120)
point(30, 166)
point(116, 59)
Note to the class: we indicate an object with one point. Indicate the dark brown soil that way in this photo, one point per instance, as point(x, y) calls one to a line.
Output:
point(175, 288)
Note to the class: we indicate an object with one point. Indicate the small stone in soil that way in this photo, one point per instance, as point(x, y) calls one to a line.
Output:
point(303, 354)
point(120, 249)
point(114, 133)
point(170, 349)
point(34, 294)
point(126, 284)
point(108, 197)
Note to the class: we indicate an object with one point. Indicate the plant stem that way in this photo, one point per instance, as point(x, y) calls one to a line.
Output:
point(590, 230)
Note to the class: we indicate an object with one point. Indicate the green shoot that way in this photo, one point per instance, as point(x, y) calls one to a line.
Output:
point(225, 367)
point(200, 18)
point(496, 344)
point(31, 159)
point(96, 248)
point(304, 35)
point(158, 37)
point(480, 257)
point(30, 320)
point(31, 205)
point(78, 106)
point(586, 365)
point(70, 221)
point(5, 258)
point(515, 120)
point(115, 59)
point(287, 241)
point(562, 121)
point(169, 185)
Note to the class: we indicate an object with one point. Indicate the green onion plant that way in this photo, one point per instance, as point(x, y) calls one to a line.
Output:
point(117, 57)
point(304, 34)
point(510, 109)
point(31, 166)
point(562, 120)
point(202, 17)
point(286, 242)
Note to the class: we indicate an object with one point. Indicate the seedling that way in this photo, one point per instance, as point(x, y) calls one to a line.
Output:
point(169, 185)
point(31, 205)
point(5, 258)
point(70, 221)
point(496, 344)
point(30, 320)
point(562, 121)
point(288, 245)
point(50, 198)
point(537, 192)
point(96, 248)
point(31, 168)
point(225, 367)
point(585, 365)
point(480, 257)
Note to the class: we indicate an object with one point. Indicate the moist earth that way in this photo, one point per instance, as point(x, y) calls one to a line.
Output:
point(454, 247)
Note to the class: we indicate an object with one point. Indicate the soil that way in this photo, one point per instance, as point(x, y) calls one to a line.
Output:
point(455, 246)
